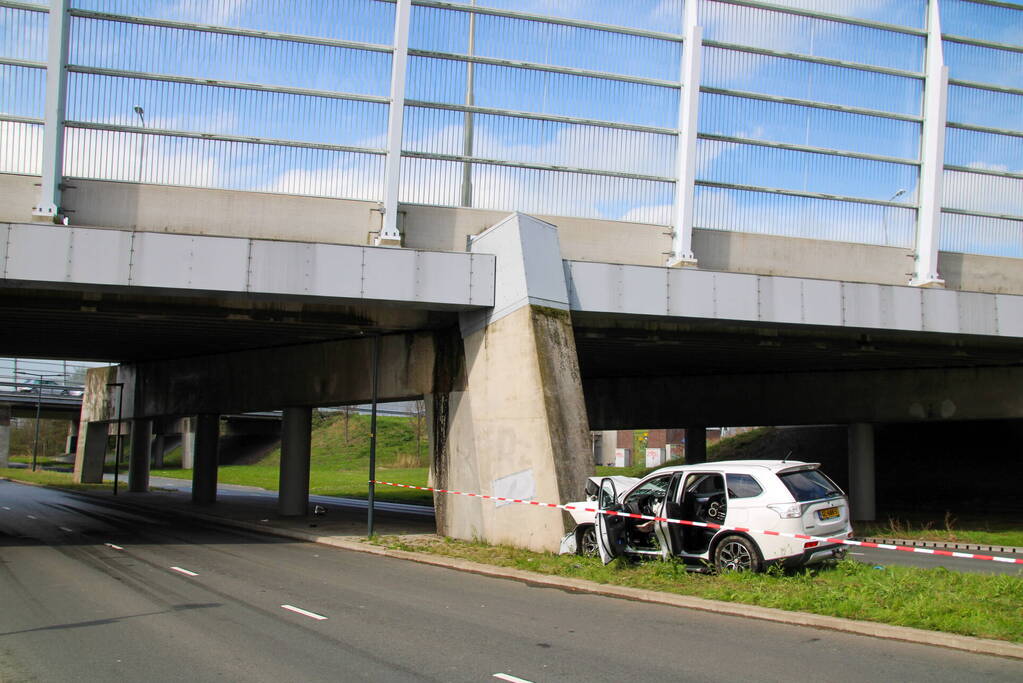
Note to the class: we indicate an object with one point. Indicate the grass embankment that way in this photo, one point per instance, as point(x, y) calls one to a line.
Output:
point(979, 532)
point(986, 606)
point(339, 460)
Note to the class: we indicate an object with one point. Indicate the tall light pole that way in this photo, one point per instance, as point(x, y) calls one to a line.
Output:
point(467, 128)
point(117, 447)
point(142, 149)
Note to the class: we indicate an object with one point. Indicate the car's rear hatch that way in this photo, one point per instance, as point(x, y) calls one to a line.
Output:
point(824, 509)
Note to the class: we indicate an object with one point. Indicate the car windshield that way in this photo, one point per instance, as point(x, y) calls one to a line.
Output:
point(807, 485)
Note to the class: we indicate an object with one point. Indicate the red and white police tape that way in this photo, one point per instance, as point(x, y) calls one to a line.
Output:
point(711, 525)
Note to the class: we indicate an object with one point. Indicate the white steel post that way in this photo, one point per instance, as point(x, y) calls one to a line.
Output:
point(685, 159)
point(48, 204)
point(389, 234)
point(932, 157)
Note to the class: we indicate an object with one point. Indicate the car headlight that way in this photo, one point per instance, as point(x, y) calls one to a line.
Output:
point(787, 510)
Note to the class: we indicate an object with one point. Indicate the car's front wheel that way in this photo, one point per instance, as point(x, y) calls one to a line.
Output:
point(736, 554)
point(586, 541)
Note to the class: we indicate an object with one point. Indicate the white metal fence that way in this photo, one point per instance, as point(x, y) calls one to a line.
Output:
point(811, 112)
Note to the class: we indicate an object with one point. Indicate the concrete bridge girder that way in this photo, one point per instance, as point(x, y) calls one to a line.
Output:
point(510, 402)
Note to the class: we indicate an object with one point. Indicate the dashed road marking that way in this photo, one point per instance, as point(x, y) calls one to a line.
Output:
point(299, 610)
point(115, 547)
point(513, 679)
point(31, 516)
point(6, 508)
point(65, 529)
point(184, 571)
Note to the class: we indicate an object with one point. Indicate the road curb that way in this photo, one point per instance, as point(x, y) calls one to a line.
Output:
point(864, 628)
point(946, 545)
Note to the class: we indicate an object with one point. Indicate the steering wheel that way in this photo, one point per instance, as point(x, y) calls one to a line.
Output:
point(717, 508)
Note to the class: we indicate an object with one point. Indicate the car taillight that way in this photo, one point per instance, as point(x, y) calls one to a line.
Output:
point(811, 544)
point(787, 510)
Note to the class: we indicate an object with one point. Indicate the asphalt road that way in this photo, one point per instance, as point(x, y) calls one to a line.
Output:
point(89, 593)
point(884, 558)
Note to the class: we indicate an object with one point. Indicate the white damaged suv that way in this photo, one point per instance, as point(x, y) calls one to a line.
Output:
point(759, 495)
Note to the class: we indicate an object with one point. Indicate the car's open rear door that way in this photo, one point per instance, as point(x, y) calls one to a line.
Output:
point(610, 528)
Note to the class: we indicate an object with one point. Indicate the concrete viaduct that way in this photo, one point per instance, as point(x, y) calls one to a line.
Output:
point(522, 333)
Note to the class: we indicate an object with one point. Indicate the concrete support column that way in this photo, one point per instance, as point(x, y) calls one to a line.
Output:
point(5, 435)
point(71, 442)
point(861, 472)
point(608, 446)
point(204, 473)
point(138, 458)
point(156, 448)
point(187, 443)
point(696, 444)
point(296, 435)
point(93, 439)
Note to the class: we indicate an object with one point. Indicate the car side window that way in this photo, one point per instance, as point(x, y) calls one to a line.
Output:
point(742, 486)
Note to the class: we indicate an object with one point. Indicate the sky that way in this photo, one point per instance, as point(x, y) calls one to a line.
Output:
point(648, 105)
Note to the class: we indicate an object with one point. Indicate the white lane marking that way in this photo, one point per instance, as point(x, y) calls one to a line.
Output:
point(184, 571)
point(6, 508)
point(513, 679)
point(857, 553)
point(299, 610)
point(115, 547)
point(31, 516)
point(64, 528)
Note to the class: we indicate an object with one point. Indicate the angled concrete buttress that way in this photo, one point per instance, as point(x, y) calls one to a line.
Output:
point(519, 429)
point(98, 418)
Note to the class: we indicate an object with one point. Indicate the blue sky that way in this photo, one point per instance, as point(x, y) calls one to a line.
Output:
point(363, 124)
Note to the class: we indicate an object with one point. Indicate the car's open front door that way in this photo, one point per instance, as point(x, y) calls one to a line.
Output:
point(610, 528)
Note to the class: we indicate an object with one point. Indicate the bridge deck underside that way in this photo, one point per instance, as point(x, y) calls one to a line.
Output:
point(132, 327)
point(647, 347)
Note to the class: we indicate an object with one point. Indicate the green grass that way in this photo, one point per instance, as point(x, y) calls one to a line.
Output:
point(326, 482)
point(331, 448)
point(57, 479)
point(41, 461)
point(987, 606)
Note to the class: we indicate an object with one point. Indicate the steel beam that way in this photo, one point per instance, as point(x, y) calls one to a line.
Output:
point(389, 233)
point(48, 203)
point(685, 152)
point(932, 158)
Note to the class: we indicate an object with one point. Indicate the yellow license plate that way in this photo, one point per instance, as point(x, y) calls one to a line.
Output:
point(828, 513)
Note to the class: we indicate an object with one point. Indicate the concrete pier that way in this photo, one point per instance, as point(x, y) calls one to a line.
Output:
point(293, 496)
point(204, 472)
point(861, 472)
point(138, 459)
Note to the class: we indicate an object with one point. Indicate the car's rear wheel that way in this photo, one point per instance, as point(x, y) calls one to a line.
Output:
point(586, 541)
point(736, 554)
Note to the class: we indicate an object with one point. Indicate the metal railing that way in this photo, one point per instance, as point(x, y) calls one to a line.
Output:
point(810, 122)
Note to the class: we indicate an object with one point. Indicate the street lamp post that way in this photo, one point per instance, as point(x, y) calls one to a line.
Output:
point(884, 217)
point(142, 148)
point(117, 447)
